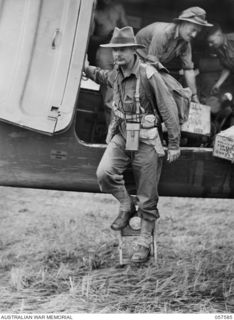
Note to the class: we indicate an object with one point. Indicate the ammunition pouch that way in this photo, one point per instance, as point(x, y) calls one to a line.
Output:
point(148, 133)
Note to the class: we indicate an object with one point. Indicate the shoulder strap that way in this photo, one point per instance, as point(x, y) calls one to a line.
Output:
point(137, 96)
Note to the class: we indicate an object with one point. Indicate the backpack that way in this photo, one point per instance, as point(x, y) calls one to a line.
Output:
point(181, 95)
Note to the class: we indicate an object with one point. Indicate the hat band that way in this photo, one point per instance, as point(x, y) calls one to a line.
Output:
point(199, 19)
point(123, 40)
point(200, 16)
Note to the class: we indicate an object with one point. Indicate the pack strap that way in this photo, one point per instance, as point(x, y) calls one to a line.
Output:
point(145, 83)
point(137, 96)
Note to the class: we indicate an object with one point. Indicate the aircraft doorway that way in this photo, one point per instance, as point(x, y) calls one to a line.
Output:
point(90, 124)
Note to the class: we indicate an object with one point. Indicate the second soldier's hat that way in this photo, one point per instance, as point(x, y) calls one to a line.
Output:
point(195, 15)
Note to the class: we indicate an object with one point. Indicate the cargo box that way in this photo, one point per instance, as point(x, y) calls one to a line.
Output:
point(224, 144)
point(198, 120)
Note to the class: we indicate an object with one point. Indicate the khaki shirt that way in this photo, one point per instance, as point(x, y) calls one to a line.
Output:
point(124, 87)
point(162, 43)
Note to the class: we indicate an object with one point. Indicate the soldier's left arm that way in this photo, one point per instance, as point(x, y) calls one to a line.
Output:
point(189, 74)
point(167, 108)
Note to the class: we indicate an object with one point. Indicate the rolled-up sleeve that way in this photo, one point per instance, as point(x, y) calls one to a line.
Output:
point(167, 109)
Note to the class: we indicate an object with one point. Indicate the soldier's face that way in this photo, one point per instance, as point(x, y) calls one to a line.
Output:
point(123, 55)
point(188, 30)
point(216, 40)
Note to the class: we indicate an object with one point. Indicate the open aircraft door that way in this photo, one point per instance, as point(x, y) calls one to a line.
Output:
point(42, 49)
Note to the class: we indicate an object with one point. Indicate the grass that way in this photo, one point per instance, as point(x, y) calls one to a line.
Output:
point(58, 254)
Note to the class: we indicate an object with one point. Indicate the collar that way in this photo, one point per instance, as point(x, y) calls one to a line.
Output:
point(172, 30)
point(134, 71)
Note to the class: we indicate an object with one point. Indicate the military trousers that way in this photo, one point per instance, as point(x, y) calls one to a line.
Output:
point(146, 166)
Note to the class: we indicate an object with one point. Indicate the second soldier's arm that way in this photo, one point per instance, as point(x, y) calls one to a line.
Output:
point(222, 78)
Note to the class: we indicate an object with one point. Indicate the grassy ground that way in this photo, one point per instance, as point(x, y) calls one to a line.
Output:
point(58, 254)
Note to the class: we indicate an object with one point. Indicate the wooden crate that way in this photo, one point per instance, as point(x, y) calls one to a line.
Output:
point(199, 120)
point(224, 144)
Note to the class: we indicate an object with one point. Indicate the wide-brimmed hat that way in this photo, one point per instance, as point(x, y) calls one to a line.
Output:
point(123, 38)
point(195, 15)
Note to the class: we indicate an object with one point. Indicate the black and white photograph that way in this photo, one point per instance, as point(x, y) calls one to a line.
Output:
point(116, 159)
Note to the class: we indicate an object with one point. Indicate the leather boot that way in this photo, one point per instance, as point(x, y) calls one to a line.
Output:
point(126, 211)
point(142, 251)
point(123, 218)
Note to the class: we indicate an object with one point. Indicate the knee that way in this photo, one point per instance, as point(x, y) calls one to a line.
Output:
point(106, 177)
point(101, 174)
point(104, 174)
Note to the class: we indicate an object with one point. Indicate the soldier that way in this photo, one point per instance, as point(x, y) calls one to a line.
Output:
point(141, 99)
point(165, 41)
point(223, 45)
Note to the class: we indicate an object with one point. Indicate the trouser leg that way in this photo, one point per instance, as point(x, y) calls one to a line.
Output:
point(142, 251)
point(110, 171)
point(147, 170)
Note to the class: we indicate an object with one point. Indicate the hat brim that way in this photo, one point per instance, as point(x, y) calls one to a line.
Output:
point(204, 24)
point(121, 45)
